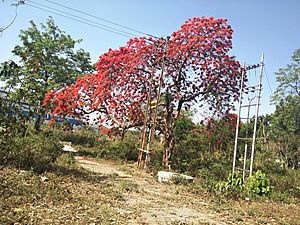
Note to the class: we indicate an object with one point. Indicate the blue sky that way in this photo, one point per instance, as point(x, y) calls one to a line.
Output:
point(269, 26)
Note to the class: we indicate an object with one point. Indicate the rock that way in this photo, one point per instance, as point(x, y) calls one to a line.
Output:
point(164, 176)
point(68, 148)
point(44, 179)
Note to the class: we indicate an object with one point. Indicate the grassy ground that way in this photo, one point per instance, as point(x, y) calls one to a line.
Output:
point(106, 192)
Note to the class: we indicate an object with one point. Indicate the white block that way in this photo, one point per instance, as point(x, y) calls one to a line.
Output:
point(68, 148)
point(164, 176)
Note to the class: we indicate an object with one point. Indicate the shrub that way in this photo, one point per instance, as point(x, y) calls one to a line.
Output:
point(85, 136)
point(119, 150)
point(258, 184)
point(233, 187)
point(187, 150)
point(156, 159)
point(65, 160)
point(35, 152)
point(213, 172)
point(178, 179)
point(13, 124)
point(268, 162)
point(288, 184)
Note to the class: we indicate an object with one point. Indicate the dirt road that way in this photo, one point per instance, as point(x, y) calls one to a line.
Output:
point(152, 202)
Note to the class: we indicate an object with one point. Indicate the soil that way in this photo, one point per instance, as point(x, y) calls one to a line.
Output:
point(147, 201)
point(153, 203)
point(107, 192)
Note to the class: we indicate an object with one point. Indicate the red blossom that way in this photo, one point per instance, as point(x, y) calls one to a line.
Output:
point(197, 67)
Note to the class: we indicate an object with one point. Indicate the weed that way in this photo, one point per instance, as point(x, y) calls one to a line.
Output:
point(129, 186)
point(258, 184)
point(85, 136)
point(250, 212)
point(34, 151)
point(178, 179)
point(233, 187)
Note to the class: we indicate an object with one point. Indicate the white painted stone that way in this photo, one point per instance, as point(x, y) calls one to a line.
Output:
point(164, 176)
point(43, 178)
point(68, 148)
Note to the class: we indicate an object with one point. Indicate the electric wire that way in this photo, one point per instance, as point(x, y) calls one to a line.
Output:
point(11, 23)
point(78, 20)
point(265, 70)
point(75, 16)
point(99, 18)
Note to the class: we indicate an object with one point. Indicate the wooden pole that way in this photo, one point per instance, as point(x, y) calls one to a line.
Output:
point(152, 130)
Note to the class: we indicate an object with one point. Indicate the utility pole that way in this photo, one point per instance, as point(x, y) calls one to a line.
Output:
point(246, 90)
point(257, 110)
point(238, 120)
point(247, 137)
point(150, 119)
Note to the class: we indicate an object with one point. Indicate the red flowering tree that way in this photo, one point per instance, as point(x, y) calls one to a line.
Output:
point(116, 92)
point(196, 67)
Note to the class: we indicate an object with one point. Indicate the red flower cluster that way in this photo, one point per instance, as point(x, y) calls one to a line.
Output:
point(197, 67)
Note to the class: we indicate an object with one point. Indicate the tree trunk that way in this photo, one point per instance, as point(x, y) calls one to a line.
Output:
point(169, 142)
point(39, 120)
point(122, 134)
point(168, 148)
point(37, 123)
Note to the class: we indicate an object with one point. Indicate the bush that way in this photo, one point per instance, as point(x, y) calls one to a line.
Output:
point(156, 159)
point(187, 150)
point(13, 124)
point(258, 184)
point(35, 152)
point(85, 136)
point(268, 162)
point(284, 180)
point(119, 150)
point(233, 187)
point(286, 187)
point(213, 172)
point(178, 179)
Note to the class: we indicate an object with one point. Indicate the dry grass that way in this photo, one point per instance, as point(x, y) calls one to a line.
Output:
point(72, 195)
point(63, 199)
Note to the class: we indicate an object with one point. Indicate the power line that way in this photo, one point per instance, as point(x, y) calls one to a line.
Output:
point(268, 81)
point(102, 25)
point(79, 20)
point(102, 19)
point(15, 17)
point(13, 20)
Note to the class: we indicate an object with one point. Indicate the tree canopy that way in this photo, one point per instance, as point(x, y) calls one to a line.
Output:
point(285, 130)
point(195, 65)
point(288, 79)
point(48, 60)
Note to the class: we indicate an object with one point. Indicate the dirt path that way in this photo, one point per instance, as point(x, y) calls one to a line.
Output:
point(152, 202)
point(98, 167)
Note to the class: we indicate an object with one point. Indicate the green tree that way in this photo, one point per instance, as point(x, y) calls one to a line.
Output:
point(263, 131)
point(285, 130)
point(285, 124)
point(288, 79)
point(48, 60)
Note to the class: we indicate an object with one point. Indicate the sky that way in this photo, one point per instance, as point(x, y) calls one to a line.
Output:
point(270, 27)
